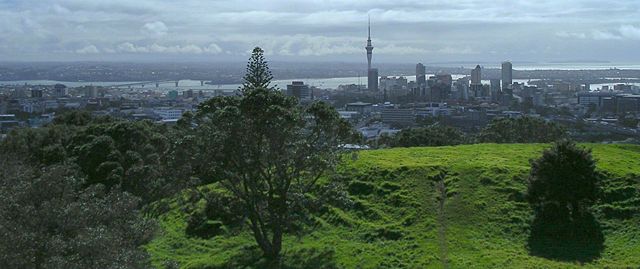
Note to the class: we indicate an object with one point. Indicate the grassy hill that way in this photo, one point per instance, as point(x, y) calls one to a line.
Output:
point(439, 207)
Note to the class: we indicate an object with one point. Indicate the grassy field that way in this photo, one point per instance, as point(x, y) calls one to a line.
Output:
point(438, 207)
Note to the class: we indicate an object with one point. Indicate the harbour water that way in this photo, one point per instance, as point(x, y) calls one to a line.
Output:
point(323, 83)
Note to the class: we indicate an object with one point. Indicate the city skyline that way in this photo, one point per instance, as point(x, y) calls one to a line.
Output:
point(429, 31)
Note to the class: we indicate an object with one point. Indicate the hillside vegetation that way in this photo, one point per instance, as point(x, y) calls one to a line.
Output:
point(436, 207)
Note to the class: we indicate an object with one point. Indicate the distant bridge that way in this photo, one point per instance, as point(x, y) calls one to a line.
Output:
point(155, 83)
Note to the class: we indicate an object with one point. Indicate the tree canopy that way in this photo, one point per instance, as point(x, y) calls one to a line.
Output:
point(49, 220)
point(563, 185)
point(564, 175)
point(432, 135)
point(521, 130)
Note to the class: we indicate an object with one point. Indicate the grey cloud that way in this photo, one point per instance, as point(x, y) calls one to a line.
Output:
point(91, 49)
point(403, 29)
point(630, 32)
point(157, 28)
point(623, 32)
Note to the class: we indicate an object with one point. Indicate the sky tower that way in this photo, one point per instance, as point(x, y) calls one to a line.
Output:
point(372, 73)
point(369, 47)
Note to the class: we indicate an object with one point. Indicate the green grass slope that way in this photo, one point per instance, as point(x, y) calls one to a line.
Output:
point(437, 207)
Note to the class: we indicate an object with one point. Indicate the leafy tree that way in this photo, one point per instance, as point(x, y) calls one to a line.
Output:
point(565, 176)
point(136, 156)
point(434, 135)
point(79, 118)
point(629, 122)
point(268, 151)
point(563, 185)
point(48, 220)
point(521, 130)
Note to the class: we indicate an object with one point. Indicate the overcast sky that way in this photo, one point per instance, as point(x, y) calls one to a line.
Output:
point(327, 30)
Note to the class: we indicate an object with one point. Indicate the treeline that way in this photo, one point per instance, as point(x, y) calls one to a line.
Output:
point(502, 130)
point(71, 193)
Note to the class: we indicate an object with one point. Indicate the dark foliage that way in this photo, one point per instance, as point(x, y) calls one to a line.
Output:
point(48, 220)
point(565, 175)
point(222, 213)
point(521, 130)
point(79, 118)
point(433, 135)
point(558, 235)
point(563, 185)
point(136, 156)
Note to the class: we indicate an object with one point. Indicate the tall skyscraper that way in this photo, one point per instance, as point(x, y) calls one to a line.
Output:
point(372, 79)
point(495, 90)
point(372, 73)
point(421, 78)
point(476, 75)
point(507, 74)
point(476, 81)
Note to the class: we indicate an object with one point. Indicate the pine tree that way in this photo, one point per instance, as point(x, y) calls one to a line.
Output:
point(257, 74)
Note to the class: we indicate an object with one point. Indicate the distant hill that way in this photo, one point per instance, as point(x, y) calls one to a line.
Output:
point(437, 207)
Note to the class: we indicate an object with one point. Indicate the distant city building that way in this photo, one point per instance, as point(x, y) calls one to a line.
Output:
point(37, 93)
point(496, 91)
point(168, 114)
point(8, 121)
point(507, 74)
point(20, 93)
point(476, 75)
point(421, 78)
point(60, 90)
point(627, 103)
point(439, 87)
point(433, 110)
point(372, 79)
point(187, 94)
point(360, 107)
point(476, 81)
point(91, 92)
point(398, 116)
point(622, 87)
point(394, 86)
point(299, 90)
point(461, 87)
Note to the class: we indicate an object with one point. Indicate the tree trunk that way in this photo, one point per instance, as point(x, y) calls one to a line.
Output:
point(279, 212)
point(273, 255)
point(259, 234)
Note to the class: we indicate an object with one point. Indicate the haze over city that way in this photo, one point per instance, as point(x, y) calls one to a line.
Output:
point(429, 31)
